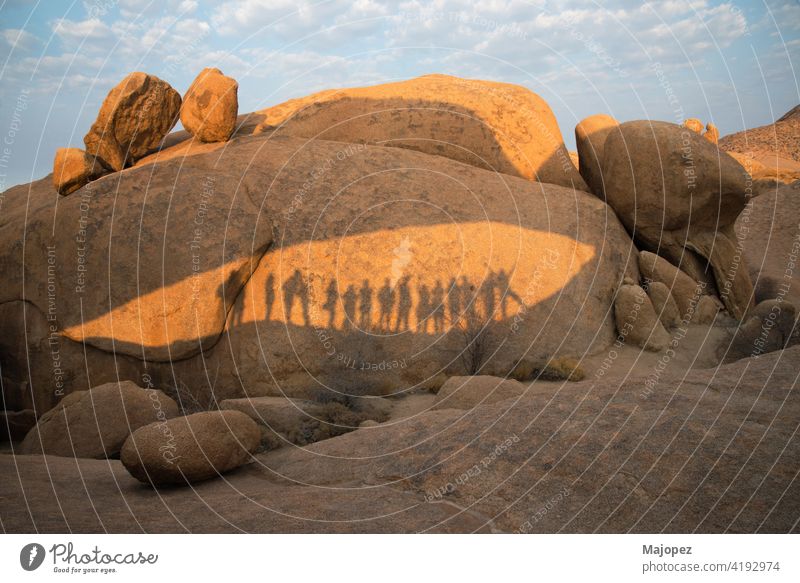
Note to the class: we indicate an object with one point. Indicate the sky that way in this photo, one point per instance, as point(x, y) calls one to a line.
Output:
point(732, 63)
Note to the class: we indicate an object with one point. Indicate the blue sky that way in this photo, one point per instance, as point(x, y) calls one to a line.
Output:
point(732, 62)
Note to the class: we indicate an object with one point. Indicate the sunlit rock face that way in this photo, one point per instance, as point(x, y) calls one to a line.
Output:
point(360, 268)
point(496, 126)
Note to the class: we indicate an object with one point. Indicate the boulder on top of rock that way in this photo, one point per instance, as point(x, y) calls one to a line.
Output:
point(712, 133)
point(135, 116)
point(680, 195)
point(185, 450)
point(210, 106)
point(496, 126)
point(73, 168)
point(693, 124)
point(664, 304)
point(590, 138)
point(471, 391)
point(95, 423)
point(637, 321)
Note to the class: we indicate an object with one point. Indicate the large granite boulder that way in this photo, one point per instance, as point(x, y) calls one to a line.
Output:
point(135, 116)
point(210, 106)
point(95, 423)
point(496, 126)
point(247, 268)
point(190, 449)
point(680, 196)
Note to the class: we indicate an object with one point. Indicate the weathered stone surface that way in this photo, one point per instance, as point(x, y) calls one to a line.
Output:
point(496, 126)
point(770, 326)
point(468, 392)
point(590, 138)
point(95, 423)
point(190, 449)
point(535, 260)
point(708, 451)
point(210, 106)
point(15, 425)
point(73, 168)
point(706, 310)
point(769, 235)
point(681, 196)
point(664, 304)
point(135, 116)
point(637, 321)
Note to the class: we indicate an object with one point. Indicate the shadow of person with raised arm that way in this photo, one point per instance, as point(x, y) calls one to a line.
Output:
point(454, 302)
point(467, 293)
point(365, 306)
point(296, 288)
point(437, 305)
point(269, 297)
point(228, 292)
point(403, 304)
point(487, 292)
point(349, 301)
point(506, 293)
point(331, 299)
point(386, 302)
point(423, 308)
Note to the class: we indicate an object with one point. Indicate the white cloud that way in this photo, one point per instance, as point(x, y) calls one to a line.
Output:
point(19, 39)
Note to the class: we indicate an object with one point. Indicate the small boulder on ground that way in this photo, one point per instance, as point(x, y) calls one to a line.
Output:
point(664, 304)
point(95, 423)
point(637, 321)
point(15, 425)
point(135, 116)
point(706, 310)
point(190, 449)
point(73, 168)
point(685, 290)
point(471, 391)
point(210, 106)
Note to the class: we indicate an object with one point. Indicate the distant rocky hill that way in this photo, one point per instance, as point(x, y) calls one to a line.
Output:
point(775, 147)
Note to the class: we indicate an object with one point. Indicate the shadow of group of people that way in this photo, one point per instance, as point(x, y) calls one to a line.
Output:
point(389, 309)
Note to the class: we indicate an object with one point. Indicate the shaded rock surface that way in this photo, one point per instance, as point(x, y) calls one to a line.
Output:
point(471, 391)
point(637, 321)
point(664, 304)
point(709, 451)
point(15, 425)
point(190, 449)
point(135, 116)
point(95, 423)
